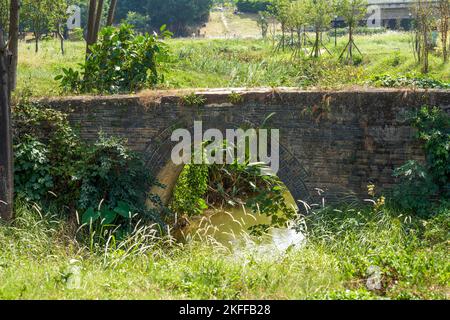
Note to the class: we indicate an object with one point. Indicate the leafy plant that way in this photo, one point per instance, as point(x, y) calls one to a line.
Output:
point(235, 98)
point(54, 167)
point(408, 81)
point(422, 183)
point(193, 100)
point(188, 197)
point(32, 170)
point(121, 61)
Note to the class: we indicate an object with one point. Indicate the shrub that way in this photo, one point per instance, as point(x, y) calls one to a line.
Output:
point(201, 186)
point(53, 166)
point(188, 197)
point(253, 6)
point(44, 142)
point(32, 170)
point(419, 184)
point(408, 81)
point(121, 61)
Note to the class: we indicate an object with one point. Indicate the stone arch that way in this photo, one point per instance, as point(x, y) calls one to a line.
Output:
point(158, 151)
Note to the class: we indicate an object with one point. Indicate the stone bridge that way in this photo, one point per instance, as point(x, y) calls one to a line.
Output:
point(338, 142)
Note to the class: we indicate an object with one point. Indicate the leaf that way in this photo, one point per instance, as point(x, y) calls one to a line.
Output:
point(90, 216)
point(107, 216)
point(123, 209)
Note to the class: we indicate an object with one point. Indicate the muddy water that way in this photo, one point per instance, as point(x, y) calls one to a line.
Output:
point(229, 227)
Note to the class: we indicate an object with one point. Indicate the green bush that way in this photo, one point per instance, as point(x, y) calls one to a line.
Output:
point(340, 32)
point(121, 61)
point(421, 184)
point(189, 193)
point(32, 170)
point(44, 142)
point(201, 186)
point(408, 81)
point(253, 6)
point(54, 167)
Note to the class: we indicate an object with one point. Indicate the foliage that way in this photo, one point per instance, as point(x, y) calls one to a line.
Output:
point(38, 252)
point(110, 172)
point(4, 15)
point(408, 80)
point(32, 170)
point(189, 193)
point(54, 167)
point(202, 186)
point(235, 98)
point(45, 146)
point(253, 6)
point(140, 22)
point(220, 63)
point(178, 15)
point(421, 184)
point(121, 61)
point(193, 100)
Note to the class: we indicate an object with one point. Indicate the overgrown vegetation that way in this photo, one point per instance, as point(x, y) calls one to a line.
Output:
point(121, 61)
point(245, 63)
point(39, 260)
point(424, 186)
point(103, 185)
point(408, 81)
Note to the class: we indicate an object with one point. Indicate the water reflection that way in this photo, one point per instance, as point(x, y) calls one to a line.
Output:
point(229, 227)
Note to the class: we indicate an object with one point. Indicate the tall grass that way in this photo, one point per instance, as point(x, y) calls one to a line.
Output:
point(39, 258)
point(207, 63)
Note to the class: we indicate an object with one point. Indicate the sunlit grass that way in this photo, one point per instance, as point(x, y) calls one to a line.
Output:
point(40, 259)
point(208, 63)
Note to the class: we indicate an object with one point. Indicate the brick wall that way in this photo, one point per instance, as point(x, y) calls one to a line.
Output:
point(334, 141)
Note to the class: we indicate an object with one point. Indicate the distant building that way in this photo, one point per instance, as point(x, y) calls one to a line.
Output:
point(391, 14)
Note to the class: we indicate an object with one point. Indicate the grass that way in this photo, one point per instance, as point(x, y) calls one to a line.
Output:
point(211, 63)
point(41, 259)
point(227, 24)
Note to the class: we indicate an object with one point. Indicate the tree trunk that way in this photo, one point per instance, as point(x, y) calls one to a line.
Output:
point(13, 44)
point(111, 13)
point(6, 154)
point(445, 38)
point(36, 41)
point(61, 38)
point(350, 44)
point(91, 26)
point(98, 19)
point(316, 44)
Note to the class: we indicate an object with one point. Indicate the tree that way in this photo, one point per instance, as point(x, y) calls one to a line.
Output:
point(111, 13)
point(263, 23)
point(138, 21)
point(444, 17)
point(35, 15)
point(4, 14)
point(98, 20)
point(281, 11)
point(13, 43)
point(320, 14)
point(425, 14)
point(352, 11)
point(6, 154)
point(179, 15)
point(58, 16)
point(90, 25)
point(298, 20)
